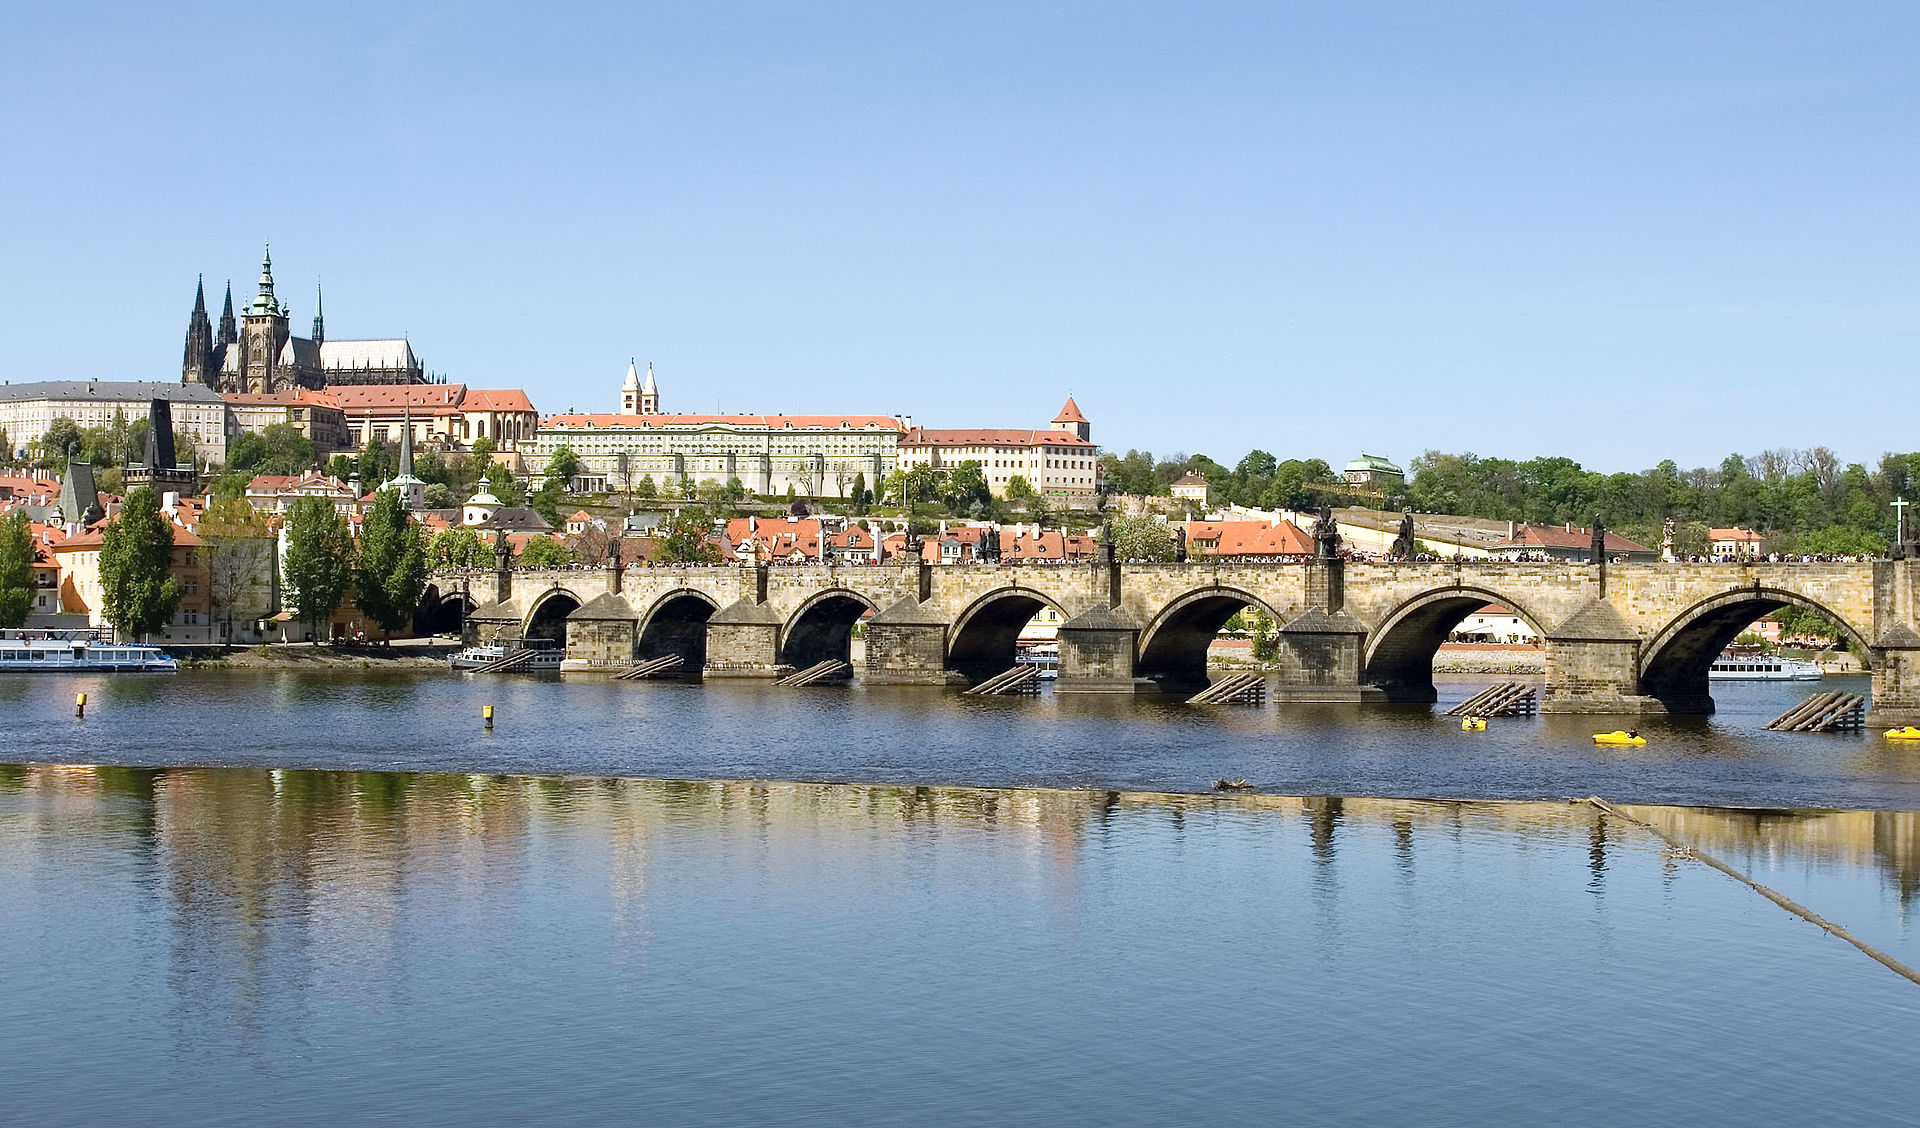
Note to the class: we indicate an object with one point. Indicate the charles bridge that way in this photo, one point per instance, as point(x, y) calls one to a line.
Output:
point(1619, 638)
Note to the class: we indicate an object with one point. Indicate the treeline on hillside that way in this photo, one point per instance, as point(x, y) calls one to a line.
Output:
point(1804, 501)
point(1259, 480)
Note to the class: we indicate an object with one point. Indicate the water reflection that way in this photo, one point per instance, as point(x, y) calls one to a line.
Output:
point(472, 944)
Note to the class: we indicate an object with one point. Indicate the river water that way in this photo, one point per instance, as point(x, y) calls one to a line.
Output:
point(445, 926)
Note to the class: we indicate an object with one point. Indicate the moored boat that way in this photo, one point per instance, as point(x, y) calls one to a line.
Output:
point(546, 655)
point(19, 651)
point(1761, 667)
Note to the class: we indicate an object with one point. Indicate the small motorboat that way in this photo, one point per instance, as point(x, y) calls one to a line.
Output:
point(1471, 724)
point(1619, 736)
point(1231, 785)
point(1904, 732)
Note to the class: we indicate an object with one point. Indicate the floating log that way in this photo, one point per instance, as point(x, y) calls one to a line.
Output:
point(665, 666)
point(1022, 678)
point(1242, 689)
point(1823, 712)
point(816, 673)
point(1502, 699)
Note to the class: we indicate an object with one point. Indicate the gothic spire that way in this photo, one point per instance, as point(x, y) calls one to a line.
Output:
point(229, 330)
point(194, 362)
point(319, 315)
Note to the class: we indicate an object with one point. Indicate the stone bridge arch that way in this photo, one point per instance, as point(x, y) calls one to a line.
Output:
point(676, 623)
point(1674, 663)
point(1173, 647)
point(1400, 650)
point(982, 640)
point(821, 628)
point(547, 618)
point(443, 612)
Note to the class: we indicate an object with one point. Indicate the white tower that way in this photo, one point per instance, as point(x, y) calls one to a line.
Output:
point(649, 394)
point(630, 391)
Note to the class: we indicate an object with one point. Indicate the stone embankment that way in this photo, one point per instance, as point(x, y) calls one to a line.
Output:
point(403, 654)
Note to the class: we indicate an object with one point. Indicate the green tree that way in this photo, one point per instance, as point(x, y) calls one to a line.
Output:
point(646, 487)
point(390, 568)
point(16, 568)
point(457, 548)
point(861, 497)
point(438, 496)
point(502, 484)
point(229, 487)
point(563, 465)
point(686, 540)
point(319, 559)
point(137, 585)
point(339, 466)
point(61, 439)
point(967, 492)
point(1019, 489)
point(1144, 536)
point(248, 452)
point(288, 451)
point(542, 552)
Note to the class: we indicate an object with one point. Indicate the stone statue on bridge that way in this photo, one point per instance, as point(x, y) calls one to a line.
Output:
point(1403, 543)
point(1180, 544)
point(1597, 554)
point(1326, 535)
point(990, 546)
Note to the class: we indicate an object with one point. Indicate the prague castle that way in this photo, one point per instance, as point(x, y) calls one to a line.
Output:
point(258, 353)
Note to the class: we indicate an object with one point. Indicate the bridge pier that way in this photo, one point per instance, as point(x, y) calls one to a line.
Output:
point(1593, 665)
point(907, 645)
point(1097, 650)
point(1321, 655)
point(743, 641)
point(601, 635)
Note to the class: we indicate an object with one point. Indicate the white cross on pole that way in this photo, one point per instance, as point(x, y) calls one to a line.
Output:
point(1900, 517)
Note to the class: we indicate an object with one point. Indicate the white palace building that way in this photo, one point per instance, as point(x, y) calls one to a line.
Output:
point(818, 455)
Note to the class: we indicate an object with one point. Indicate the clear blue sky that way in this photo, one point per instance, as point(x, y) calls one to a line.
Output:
point(1618, 231)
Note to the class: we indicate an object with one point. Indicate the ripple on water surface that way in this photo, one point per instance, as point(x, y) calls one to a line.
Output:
point(431, 721)
point(233, 945)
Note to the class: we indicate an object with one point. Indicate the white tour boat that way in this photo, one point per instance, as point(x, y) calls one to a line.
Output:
point(82, 655)
point(1762, 667)
point(547, 656)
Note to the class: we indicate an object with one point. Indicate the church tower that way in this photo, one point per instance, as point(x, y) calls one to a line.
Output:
point(1072, 422)
point(649, 394)
point(264, 334)
point(630, 391)
point(319, 317)
point(229, 328)
point(196, 366)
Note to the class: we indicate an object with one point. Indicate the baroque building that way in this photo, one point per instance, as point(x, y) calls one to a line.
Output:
point(258, 354)
point(816, 455)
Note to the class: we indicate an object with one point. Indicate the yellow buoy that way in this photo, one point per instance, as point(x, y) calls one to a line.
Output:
point(1472, 723)
point(1619, 736)
point(1904, 732)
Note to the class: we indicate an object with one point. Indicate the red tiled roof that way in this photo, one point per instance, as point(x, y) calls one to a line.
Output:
point(376, 397)
point(990, 436)
point(1734, 535)
point(774, 422)
point(1070, 413)
point(1250, 538)
point(297, 395)
point(496, 399)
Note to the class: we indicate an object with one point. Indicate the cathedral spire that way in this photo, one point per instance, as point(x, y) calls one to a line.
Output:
point(264, 302)
point(195, 362)
point(229, 329)
point(319, 316)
